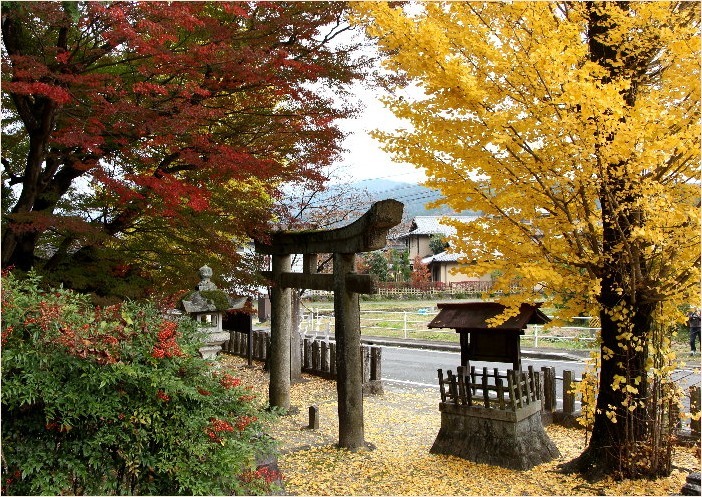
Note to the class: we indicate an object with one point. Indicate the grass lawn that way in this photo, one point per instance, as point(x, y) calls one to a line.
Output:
point(408, 319)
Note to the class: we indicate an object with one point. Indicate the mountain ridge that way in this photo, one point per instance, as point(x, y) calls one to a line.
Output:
point(413, 195)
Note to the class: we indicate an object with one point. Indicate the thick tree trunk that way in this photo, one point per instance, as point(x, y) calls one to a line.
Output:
point(614, 439)
point(626, 321)
point(18, 248)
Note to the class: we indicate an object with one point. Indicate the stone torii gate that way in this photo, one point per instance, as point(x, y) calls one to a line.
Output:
point(366, 234)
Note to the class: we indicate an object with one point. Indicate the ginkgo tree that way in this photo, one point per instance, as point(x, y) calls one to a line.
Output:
point(573, 127)
point(143, 139)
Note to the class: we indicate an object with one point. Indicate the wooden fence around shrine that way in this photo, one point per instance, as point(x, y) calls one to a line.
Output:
point(512, 390)
point(238, 344)
point(506, 391)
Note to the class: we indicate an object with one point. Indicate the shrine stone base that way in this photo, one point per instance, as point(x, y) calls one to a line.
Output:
point(511, 439)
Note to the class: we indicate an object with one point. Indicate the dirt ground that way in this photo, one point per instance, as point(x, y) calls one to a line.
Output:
point(402, 425)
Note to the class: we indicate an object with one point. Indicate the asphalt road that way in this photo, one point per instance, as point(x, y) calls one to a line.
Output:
point(412, 367)
point(418, 366)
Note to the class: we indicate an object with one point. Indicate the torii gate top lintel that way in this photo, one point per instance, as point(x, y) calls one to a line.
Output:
point(366, 234)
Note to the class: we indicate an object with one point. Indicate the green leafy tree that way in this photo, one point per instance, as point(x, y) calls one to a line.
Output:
point(398, 261)
point(437, 244)
point(115, 401)
point(378, 265)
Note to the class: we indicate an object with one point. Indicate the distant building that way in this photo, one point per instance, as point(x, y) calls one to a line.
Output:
point(441, 266)
point(417, 242)
point(422, 229)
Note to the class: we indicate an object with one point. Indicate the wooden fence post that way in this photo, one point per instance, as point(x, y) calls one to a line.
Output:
point(460, 372)
point(568, 395)
point(550, 402)
point(695, 399)
point(531, 386)
point(324, 365)
point(307, 357)
point(256, 346)
point(236, 340)
point(332, 359)
point(518, 381)
point(442, 388)
point(453, 387)
point(316, 357)
point(263, 345)
point(249, 346)
point(500, 393)
point(486, 392)
point(365, 358)
point(512, 392)
point(376, 358)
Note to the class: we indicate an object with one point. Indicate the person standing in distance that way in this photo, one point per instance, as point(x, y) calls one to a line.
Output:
point(693, 322)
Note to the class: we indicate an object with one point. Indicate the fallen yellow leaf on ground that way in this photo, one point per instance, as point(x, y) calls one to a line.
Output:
point(402, 425)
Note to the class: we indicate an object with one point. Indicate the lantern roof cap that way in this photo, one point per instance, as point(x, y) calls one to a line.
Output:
point(208, 298)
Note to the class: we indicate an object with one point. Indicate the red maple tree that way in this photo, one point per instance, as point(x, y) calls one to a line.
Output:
point(144, 136)
point(420, 277)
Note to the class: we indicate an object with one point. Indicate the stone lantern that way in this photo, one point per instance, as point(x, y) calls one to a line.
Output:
point(207, 306)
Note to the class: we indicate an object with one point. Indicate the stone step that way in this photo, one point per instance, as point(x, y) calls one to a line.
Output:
point(692, 484)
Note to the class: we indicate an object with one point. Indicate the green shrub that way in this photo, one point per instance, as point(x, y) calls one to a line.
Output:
point(112, 401)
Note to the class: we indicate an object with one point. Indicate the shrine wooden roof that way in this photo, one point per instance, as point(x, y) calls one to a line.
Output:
point(474, 316)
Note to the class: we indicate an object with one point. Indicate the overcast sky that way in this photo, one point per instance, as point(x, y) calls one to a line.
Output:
point(364, 158)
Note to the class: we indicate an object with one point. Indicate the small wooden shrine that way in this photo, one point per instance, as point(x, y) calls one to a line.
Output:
point(490, 416)
point(480, 342)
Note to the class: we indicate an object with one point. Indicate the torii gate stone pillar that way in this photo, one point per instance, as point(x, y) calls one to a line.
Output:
point(366, 234)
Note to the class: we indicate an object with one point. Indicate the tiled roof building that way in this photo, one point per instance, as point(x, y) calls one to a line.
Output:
point(417, 241)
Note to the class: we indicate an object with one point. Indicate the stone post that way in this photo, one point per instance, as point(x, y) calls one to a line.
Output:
point(348, 356)
point(295, 338)
point(279, 364)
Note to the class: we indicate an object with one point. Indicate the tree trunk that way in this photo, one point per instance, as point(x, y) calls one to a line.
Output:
point(613, 441)
point(622, 409)
point(18, 248)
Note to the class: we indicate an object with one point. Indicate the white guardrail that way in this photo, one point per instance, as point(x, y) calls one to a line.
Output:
point(320, 323)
